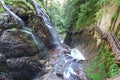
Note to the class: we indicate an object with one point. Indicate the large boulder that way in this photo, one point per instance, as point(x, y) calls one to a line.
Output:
point(23, 68)
point(14, 43)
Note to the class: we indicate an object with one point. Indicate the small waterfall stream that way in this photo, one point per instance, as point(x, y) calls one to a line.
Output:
point(43, 15)
point(72, 73)
point(67, 65)
point(40, 45)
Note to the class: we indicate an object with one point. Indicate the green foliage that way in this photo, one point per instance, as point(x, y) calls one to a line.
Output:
point(24, 5)
point(97, 67)
point(114, 16)
point(117, 2)
point(81, 13)
point(118, 37)
point(72, 10)
point(87, 13)
point(102, 63)
point(103, 2)
point(1, 10)
point(56, 14)
point(113, 69)
point(14, 29)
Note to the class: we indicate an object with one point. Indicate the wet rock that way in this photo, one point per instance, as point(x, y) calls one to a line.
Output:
point(6, 22)
point(85, 42)
point(41, 31)
point(5, 76)
point(66, 68)
point(2, 56)
point(16, 44)
point(24, 68)
point(2, 62)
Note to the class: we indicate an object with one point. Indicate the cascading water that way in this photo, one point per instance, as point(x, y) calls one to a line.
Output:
point(76, 54)
point(71, 72)
point(67, 65)
point(41, 14)
point(40, 45)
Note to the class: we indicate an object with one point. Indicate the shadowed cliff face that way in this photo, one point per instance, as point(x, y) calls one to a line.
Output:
point(16, 56)
point(83, 41)
point(19, 56)
point(32, 21)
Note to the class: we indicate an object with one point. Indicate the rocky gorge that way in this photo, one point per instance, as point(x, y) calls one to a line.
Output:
point(30, 48)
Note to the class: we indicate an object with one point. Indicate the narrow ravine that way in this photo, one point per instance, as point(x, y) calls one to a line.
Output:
point(70, 59)
point(30, 45)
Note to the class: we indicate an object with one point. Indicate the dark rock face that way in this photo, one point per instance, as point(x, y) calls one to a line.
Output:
point(32, 21)
point(15, 44)
point(84, 41)
point(16, 56)
point(20, 68)
point(23, 68)
point(17, 51)
point(6, 22)
point(68, 38)
point(41, 30)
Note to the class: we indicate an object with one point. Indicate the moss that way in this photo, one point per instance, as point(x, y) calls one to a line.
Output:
point(117, 2)
point(118, 37)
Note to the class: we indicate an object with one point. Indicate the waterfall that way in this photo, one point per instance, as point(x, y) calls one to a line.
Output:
point(67, 64)
point(40, 45)
point(76, 54)
point(41, 14)
point(69, 67)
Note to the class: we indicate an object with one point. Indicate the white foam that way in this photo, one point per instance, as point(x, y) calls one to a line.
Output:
point(71, 70)
point(76, 54)
point(66, 74)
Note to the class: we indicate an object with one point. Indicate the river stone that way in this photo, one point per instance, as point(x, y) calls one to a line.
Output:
point(65, 68)
point(24, 68)
point(2, 56)
point(5, 76)
point(14, 43)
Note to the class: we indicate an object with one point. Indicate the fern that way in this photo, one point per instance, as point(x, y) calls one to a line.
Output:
point(117, 2)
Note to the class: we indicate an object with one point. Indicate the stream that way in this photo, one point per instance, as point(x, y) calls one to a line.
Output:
point(67, 66)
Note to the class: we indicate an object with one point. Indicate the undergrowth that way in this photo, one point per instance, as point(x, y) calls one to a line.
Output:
point(102, 66)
